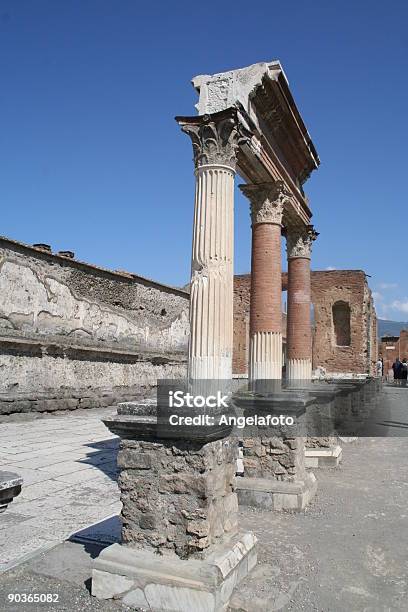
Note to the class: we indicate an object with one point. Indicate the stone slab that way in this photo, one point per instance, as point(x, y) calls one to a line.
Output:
point(323, 457)
point(270, 494)
point(141, 578)
point(10, 487)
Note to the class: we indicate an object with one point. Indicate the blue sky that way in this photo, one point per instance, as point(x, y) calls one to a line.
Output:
point(92, 160)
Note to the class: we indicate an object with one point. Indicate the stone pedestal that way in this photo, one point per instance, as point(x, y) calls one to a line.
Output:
point(265, 336)
point(271, 494)
point(322, 456)
point(322, 449)
point(275, 475)
point(353, 406)
point(181, 548)
point(10, 487)
point(145, 580)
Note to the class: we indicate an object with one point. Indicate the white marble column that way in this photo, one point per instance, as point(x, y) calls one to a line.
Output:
point(215, 143)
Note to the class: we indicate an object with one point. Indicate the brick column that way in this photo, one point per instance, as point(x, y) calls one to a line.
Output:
point(215, 142)
point(299, 330)
point(265, 344)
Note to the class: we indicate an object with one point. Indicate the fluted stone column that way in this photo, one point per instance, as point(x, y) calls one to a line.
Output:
point(299, 329)
point(265, 343)
point(215, 142)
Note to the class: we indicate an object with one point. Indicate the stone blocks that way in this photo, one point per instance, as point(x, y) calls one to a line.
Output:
point(323, 457)
point(275, 475)
point(177, 496)
point(271, 494)
point(10, 487)
point(143, 579)
point(272, 457)
point(181, 547)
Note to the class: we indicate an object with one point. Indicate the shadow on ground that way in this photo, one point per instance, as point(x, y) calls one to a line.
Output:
point(103, 456)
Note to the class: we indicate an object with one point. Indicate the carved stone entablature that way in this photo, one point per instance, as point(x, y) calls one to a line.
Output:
point(216, 138)
point(262, 92)
point(267, 201)
point(299, 241)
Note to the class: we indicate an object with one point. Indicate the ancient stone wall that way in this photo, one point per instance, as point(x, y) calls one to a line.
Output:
point(353, 349)
point(343, 304)
point(72, 334)
point(240, 354)
point(403, 344)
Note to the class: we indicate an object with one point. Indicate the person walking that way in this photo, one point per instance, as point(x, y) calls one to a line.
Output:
point(396, 368)
point(404, 372)
point(380, 367)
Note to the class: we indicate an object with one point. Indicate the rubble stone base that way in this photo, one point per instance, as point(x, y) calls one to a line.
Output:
point(323, 457)
point(10, 487)
point(270, 494)
point(143, 579)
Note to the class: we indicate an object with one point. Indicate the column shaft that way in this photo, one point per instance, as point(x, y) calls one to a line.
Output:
point(265, 342)
point(211, 309)
point(216, 139)
point(265, 349)
point(299, 325)
point(299, 331)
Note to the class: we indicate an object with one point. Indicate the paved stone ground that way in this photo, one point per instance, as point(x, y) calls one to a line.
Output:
point(346, 553)
point(69, 468)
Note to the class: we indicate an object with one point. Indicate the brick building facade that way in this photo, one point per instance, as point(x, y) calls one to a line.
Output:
point(344, 322)
point(392, 347)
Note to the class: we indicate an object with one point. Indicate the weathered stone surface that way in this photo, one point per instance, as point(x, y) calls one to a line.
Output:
point(323, 457)
point(10, 487)
point(68, 327)
point(177, 496)
point(271, 457)
point(271, 494)
point(143, 579)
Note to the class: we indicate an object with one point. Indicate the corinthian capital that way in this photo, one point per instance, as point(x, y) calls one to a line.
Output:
point(299, 241)
point(216, 138)
point(267, 201)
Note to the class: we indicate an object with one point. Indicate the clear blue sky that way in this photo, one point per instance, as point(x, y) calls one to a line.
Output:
point(92, 160)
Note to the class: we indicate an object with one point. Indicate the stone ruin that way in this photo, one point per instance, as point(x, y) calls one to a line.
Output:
point(182, 547)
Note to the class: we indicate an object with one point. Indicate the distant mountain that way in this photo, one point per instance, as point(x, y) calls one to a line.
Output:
point(390, 328)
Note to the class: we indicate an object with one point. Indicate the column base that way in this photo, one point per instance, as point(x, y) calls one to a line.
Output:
point(270, 494)
point(323, 457)
point(265, 356)
point(143, 579)
point(210, 368)
point(299, 369)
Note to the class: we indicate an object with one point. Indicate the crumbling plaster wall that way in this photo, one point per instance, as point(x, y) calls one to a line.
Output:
point(65, 325)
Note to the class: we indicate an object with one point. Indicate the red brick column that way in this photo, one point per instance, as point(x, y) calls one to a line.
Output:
point(265, 343)
point(299, 329)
